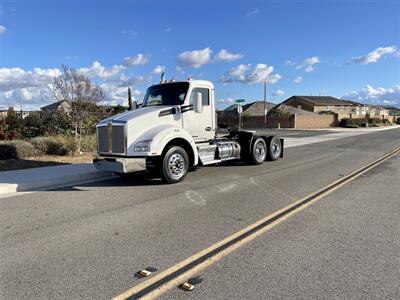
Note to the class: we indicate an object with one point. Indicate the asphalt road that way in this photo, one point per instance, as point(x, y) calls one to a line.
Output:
point(87, 242)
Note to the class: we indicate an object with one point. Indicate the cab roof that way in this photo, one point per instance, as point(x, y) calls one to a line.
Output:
point(195, 82)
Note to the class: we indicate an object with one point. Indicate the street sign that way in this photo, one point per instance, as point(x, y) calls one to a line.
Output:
point(239, 109)
point(240, 101)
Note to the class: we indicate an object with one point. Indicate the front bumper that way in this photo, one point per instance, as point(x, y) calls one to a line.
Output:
point(120, 164)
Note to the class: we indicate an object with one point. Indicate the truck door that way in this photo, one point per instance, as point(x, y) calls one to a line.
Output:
point(199, 125)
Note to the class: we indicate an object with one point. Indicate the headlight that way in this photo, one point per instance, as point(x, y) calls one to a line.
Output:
point(143, 146)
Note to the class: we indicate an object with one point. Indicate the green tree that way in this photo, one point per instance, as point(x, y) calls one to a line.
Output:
point(32, 126)
point(12, 124)
point(277, 112)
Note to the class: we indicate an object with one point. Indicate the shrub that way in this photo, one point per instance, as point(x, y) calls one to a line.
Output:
point(354, 123)
point(63, 145)
point(327, 112)
point(88, 143)
point(54, 145)
point(278, 112)
point(39, 144)
point(351, 123)
point(398, 121)
point(16, 150)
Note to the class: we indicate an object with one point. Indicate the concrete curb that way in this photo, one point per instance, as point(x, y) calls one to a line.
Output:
point(48, 177)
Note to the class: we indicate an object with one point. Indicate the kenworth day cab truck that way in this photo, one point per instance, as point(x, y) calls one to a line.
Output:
point(173, 130)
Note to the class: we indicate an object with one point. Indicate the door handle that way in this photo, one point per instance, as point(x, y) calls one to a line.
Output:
point(208, 128)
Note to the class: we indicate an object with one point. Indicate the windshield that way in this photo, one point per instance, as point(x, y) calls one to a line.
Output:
point(166, 94)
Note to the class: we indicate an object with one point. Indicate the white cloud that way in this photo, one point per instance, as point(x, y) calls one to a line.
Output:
point(195, 58)
point(31, 97)
point(278, 93)
point(226, 101)
point(225, 55)
point(129, 32)
point(274, 78)
point(309, 69)
point(252, 13)
point(245, 74)
point(168, 29)
point(17, 78)
point(136, 60)
point(36, 86)
point(125, 81)
point(289, 63)
point(374, 56)
point(298, 79)
point(308, 64)
point(114, 95)
point(2, 29)
point(377, 95)
point(158, 69)
point(180, 70)
point(97, 70)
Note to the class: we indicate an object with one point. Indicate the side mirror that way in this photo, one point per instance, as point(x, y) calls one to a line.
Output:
point(198, 103)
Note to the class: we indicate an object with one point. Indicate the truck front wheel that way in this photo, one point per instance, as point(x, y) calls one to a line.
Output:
point(175, 164)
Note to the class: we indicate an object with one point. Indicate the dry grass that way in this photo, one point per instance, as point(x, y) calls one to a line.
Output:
point(44, 161)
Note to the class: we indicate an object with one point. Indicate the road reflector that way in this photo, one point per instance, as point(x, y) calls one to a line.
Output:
point(187, 286)
point(144, 273)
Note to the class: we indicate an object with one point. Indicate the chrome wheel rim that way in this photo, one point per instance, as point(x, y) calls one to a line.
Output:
point(259, 151)
point(176, 165)
point(276, 148)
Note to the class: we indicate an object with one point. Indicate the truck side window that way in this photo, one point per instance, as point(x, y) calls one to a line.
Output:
point(205, 95)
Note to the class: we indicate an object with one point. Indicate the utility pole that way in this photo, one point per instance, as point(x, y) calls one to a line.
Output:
point(20, 100)
point(265, 103)
point(130, 104)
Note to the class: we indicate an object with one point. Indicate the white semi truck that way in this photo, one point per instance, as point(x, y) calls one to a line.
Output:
point(173, 130)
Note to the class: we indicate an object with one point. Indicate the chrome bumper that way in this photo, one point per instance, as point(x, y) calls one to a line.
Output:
point(119, 164)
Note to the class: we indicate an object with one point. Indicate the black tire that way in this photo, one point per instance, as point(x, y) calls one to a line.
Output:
point(174, 164)
point(274, 149)
point(258, 152)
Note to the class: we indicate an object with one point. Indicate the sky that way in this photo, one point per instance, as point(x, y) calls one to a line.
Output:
point(348, 49)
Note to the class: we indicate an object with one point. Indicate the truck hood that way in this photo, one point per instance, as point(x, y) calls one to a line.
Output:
point(141, 124)
point(150, 111)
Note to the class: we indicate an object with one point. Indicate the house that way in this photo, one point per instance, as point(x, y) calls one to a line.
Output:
point(62, 105)
point(252, 109)
point(3, 114)
point(229, 117)
point(278, 116)
point(327, 104)
point(290, 110)
point(377, 111)
point(24, 113)
point(393, 111)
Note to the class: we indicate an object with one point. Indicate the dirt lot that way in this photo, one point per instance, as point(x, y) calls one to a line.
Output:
point(44, 161)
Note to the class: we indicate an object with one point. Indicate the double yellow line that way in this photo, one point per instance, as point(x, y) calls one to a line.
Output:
point(187, 268)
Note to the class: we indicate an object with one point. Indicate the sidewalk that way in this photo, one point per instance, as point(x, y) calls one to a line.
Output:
point(48, 177)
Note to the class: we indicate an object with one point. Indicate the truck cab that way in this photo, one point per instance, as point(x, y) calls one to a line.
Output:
point(173, 130)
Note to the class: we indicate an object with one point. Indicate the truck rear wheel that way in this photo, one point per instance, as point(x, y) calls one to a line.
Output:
point(274, 149)
point(175, 165)
point(258, 152)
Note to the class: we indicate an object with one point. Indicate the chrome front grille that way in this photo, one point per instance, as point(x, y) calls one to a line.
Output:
point(111, 139)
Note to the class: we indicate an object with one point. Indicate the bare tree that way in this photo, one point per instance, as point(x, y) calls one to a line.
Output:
point(82, 96)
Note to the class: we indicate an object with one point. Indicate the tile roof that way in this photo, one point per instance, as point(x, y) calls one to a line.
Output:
point(326, 100)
